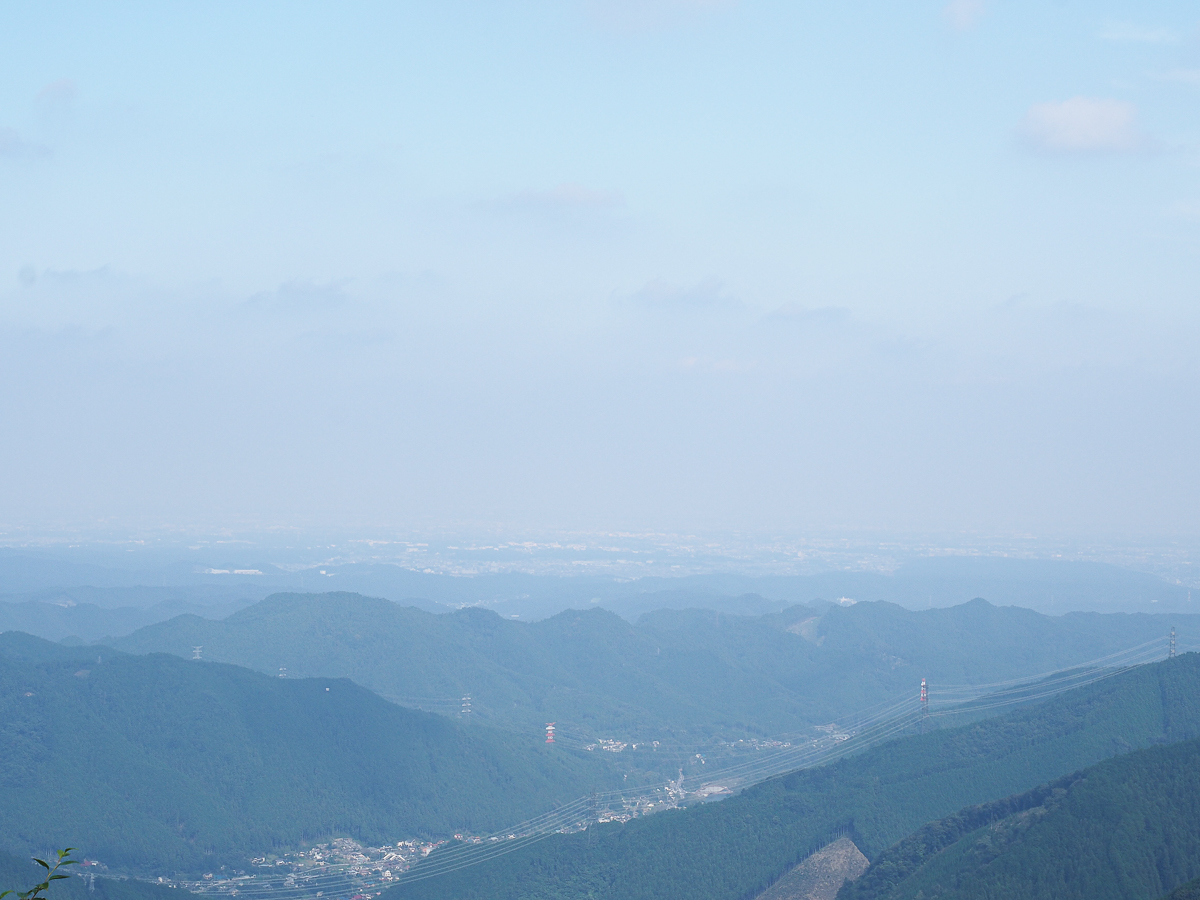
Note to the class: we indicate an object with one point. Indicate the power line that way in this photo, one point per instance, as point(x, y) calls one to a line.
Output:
point(877, 728)
point(869, 728)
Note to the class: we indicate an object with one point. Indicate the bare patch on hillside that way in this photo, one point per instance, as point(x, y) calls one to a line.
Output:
point(821, 875)
point(807, 629)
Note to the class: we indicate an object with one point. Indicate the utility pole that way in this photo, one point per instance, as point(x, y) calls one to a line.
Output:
point(1171, 652)
point(196, 652)
point(465, 715)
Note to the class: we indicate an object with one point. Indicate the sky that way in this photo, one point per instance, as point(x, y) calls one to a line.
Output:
point(745, 266)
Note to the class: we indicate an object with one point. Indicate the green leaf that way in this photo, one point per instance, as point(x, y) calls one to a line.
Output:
point(56, 877)
point(42, 863)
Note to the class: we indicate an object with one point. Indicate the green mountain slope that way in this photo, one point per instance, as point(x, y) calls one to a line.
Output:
point(17, 874)
point(1126, 829)
point(1189, 891)
point(156, 763)
point(689, 671)
point(737, 847)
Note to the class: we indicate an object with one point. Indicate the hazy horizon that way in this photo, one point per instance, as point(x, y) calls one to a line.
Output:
point(681, 266)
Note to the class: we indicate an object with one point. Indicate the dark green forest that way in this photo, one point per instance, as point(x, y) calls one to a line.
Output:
point(154, 763)
point(739, 846)
point(1125, 829)
point(692, 672)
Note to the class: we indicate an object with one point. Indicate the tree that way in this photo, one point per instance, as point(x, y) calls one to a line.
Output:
point(52, 874)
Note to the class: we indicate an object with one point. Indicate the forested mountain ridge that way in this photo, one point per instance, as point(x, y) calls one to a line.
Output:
point(70, 614)
point(154, 763)
point(739, 846)
point(674, 671)
point(1124, 829)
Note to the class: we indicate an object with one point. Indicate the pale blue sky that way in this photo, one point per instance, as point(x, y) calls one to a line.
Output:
point(668, 264)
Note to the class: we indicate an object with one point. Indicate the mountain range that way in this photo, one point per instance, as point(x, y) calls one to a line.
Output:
point(160, 763)
point(672, 675)
point(741, 846)
point(119, 577)
point(157, 764)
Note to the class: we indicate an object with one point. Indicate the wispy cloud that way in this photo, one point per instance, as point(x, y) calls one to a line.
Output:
point(646, 15)
point(820, 316)
point(708, 293)
point(964, 14)
point(728, 366)
point(1127, 32)
point(55, 105)
point(1083, 124)
point(1187, 210)
point(301, 296)
point(568, 195)
point(58, 92)
point(1183, 76)
point(13, 146)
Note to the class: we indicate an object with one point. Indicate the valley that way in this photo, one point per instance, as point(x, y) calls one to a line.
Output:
point(645, 759)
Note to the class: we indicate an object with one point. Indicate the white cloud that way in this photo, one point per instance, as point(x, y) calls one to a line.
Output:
point(964, 14)
point(1083, 124)
point(1126, 32)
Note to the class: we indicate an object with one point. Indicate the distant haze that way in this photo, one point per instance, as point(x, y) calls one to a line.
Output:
point(720, 266)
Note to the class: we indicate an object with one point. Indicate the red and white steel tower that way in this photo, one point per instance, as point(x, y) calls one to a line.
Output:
point(549, 732)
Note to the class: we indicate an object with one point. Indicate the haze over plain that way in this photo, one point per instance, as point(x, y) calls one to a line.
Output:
point(634, 448)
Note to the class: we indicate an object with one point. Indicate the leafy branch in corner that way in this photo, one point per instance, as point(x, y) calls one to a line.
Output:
point(52, 874)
